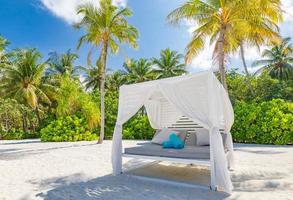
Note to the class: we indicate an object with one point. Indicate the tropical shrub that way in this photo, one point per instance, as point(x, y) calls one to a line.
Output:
point(68, 129)
point(264, 88)
point(17, 121)
point(138, 127)
point(72, 99)
point(264, 123)
point(18, 134)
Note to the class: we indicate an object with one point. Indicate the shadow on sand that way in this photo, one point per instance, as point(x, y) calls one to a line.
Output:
point(125, 187)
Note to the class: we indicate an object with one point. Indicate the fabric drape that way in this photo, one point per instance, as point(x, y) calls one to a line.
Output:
point(200, 97)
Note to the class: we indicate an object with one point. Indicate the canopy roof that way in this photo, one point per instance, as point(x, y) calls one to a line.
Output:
point(200, 97)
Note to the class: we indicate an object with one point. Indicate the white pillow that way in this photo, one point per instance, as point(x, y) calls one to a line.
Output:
point(202, 137)
point(163, 136)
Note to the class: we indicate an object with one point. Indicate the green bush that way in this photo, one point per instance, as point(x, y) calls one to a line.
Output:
point(264, 123)
point(18, 134)
point(68, 129)
point(138, 128)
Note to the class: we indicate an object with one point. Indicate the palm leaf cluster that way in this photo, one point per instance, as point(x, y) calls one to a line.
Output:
point(278, 61)
point(22, 78)
point(62, 64)
point(227, 25)
point(169, 64)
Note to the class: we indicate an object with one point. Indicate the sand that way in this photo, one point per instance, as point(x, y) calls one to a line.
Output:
point(31, 170)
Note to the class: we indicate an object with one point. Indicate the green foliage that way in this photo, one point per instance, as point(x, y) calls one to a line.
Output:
point(22, 78)
point(278, 61)
point(264, 88)
point(13, 118)
point(10, 115)
point(72, 99)
point(67, 129)
point(138, 128)
point(18, 134)
point(169, 64)
point(137, 71)
point(264, 123)
point(111, 109)
point(14, 134)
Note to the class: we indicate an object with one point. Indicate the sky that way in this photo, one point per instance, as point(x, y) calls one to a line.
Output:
point(47, 26)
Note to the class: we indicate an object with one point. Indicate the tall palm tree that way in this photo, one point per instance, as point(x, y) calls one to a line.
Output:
point(221, 21)
point(62, 64)
point(169, 64)
point(278, 61)
point(106, 27)
point(22, 79)
point(137, 71)
point(262, 30)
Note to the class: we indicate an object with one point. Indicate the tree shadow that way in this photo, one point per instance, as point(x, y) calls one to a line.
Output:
point(125, 187)
point(260, 151)
point(14, 142)
point(260, 181)
point(15, 154)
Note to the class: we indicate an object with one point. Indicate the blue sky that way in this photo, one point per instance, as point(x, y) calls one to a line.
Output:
point(47, 26)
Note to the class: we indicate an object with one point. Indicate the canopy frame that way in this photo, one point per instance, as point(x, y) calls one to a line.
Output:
point(200, 97)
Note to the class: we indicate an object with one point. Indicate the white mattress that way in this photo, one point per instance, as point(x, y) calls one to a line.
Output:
point(188, 152)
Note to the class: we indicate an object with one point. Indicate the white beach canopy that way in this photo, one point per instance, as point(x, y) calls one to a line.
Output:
point(200, 97)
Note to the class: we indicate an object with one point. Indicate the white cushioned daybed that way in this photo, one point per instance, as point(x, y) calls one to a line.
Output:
point(199, 97)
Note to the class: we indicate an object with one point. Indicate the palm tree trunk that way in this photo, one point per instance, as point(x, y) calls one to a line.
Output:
point(222, 57)
point(245, 69)
point(102, 90)
point(24, 122)
point(38, 115)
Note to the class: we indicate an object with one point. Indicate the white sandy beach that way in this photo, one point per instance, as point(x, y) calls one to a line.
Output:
point(30, 169)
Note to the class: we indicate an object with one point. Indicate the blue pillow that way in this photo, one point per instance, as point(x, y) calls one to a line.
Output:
point(173, 142)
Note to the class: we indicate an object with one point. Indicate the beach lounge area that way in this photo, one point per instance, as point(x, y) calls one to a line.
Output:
point(31, 170)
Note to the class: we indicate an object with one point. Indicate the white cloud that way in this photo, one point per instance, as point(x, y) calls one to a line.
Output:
point(66, 9)
point(204, 60)
point(288, 8)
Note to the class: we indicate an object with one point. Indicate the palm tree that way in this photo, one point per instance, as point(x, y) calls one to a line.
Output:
point(22, 79)
point(221, 21)
point(278, 61)
point(3, 55)
point(262, 30)
point(106, 26)
point(138, 71)
point(115, 80)
point(91, 77)
point(169, 64)
point(62, 64)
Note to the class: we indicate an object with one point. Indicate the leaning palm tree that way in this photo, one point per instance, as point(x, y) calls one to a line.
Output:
point(106, 27)
point(137, 71)
point(278, 61)
point(262, 30)
point(22, 79)
point(62, 64)
point(220, 21)
point(169, 64)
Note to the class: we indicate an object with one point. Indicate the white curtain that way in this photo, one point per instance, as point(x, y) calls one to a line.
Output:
point(130, 101)
point(200, 97)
